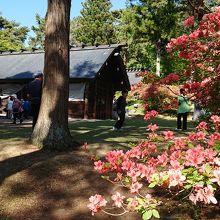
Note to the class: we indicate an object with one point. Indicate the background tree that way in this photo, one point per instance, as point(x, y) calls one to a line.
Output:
point(12, 36)
point(154, 23)
point(51, 130)
point(74, 27)
point(201, 7)
point(96, 23)
point(37, 41)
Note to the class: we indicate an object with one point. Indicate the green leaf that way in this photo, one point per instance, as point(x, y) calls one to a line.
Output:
point(188, 186)
point(208, 169)
point(105, 177)
point(127, 180)
point(217, 146)
point(140, 201)
point(165, 177)
point(155, 213)
point(147, 215)
point(190, 145)
point(152, 185)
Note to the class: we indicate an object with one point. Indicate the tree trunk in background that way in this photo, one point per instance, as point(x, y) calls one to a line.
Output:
point(51, 131)
point(158, 50)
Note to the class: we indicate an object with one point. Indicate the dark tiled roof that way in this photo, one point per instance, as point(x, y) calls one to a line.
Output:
point(133, 75)
point(84, 62)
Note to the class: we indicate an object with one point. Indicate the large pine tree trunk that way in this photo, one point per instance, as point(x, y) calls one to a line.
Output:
point(51, 130)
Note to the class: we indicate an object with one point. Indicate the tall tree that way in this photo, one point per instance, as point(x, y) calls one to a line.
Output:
point(37, 41)
point(201, 7)
point(12, 36)
point(74, 27)
point(51, 130)
point(96, 23)
point(155, 22)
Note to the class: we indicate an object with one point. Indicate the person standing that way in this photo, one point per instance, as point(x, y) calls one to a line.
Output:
point(183, 109)
point(9, 107)
point(34, 91)
point(120, 108)
point(26, 108)
point(17, 109)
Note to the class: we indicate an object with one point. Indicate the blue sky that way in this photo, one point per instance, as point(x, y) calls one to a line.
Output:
point(24, 11)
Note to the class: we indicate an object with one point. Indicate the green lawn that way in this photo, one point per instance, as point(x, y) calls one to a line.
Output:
point(134, 130)
point(99, 131)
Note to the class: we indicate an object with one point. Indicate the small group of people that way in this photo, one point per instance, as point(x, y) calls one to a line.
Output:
point(17, 109)
point(21, 109)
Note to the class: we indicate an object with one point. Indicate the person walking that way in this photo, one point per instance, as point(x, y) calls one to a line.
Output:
point(183, 110)
point(34, 91)
point(120, 108)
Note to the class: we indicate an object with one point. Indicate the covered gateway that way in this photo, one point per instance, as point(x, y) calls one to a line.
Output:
point(95, 74)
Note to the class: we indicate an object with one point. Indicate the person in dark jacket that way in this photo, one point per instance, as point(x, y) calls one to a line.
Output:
point(120, 108)
point(34, 91)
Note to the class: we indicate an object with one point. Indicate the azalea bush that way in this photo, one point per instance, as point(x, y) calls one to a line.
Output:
point(187, 167)
point(201, 50)
point(156, 96)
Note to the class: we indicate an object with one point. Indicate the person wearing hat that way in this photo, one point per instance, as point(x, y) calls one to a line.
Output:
point(34, 91)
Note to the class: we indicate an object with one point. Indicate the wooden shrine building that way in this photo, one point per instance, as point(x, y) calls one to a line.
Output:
point(95, 74)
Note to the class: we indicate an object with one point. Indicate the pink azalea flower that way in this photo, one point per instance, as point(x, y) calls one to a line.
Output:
point(168, 135)
point(135, 152)
point(133, 174)
point(114, 158)
point(134, 203)
point(202, 126)
point(217, 161)
point(175, 177)
point(194, 35)
point(217, 9)
point(210, 154)
point(175, 155)
point(192, 136)
point(189, 21)
point(215, 119)
point(209, 195)
point(200, 135)
point(176, 165)
point(152, 127)
point(100, 166)
point(182, 40)
point(135, 187)
point(210, 69)
point(118, 199)
point(216, 175)
point(192, 198)
point(162, 159)
point(194, 156)
point(96, 202)
point(179, 144)
point(127, 165)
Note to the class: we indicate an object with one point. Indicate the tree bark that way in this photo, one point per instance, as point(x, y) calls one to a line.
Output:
point(158, 51)
point(51, 130)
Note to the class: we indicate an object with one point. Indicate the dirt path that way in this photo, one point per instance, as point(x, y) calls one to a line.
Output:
point(39, 185)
